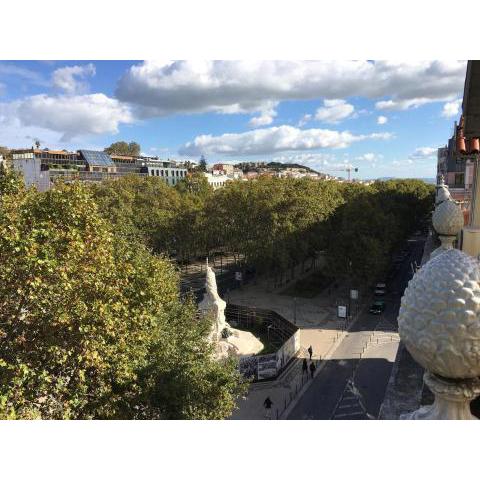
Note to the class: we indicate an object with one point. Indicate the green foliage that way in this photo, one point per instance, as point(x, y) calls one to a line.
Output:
point(91, 323)
point(123, 148)
point(11, 182)
point(273, 223)
point(372, 223)
point(5, 153)
point(202, 166)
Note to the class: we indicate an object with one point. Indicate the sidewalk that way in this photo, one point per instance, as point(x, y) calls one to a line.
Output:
point(317, 319)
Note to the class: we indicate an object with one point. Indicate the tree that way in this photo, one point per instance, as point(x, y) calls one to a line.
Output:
point(202, 166)
point(91, 324)
point(5, 152)
point(196, 183)
point(123, 148)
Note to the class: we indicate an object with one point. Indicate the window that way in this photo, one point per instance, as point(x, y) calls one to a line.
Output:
point(161, 173)
point(459, 179)
point(152, 172)
point(158, 173)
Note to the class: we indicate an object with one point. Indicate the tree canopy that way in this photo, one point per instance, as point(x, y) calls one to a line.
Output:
point(272, 223)
point(91, 323)
point(124, 148)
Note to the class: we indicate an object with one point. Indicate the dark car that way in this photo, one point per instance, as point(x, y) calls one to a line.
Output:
point(377, 307)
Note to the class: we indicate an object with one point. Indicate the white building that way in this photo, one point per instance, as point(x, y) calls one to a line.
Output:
point(171, 172)
point(217, 180)
point(30, 166)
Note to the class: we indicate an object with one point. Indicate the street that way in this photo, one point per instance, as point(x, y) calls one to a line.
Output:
point(332, 393)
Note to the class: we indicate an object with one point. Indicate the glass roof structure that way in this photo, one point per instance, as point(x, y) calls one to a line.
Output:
point(96, 158)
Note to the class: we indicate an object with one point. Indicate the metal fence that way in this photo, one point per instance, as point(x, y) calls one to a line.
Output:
point(279, 332)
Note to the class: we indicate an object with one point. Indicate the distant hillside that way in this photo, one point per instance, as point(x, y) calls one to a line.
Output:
point(432, 181)
point(277, 166)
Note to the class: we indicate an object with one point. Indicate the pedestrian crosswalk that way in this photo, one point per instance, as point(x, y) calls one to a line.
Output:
point(350, 405)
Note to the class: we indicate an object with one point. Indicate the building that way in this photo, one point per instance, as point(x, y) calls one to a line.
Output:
point(172, 172)
point(225, 168)
point(43, 167)
point(217, 180)
point(456, 171)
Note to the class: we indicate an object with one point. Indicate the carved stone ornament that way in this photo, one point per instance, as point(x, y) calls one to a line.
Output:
point(442, 194)
point(439, 323)
point(447, 218)
point(447, 221)
point(452, 399)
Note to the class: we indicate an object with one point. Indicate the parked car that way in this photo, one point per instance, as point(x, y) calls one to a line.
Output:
point(377, 307)
point(380, 289)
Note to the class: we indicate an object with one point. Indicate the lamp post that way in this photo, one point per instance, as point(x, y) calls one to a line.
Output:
point(349, 287)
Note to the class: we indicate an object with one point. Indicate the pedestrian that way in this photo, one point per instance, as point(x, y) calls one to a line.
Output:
point(310, 351)
point(268, 408)
point(312, 368)
point(305, 367)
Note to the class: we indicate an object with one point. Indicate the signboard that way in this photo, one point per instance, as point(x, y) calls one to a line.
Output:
point(267, 366)
point(238, 276)
point(248, 366)
point(354, 294)
point(342, 311)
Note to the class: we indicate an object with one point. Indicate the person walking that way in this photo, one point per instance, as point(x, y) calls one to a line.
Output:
point(304, 367)
point(312, 368)
point(310, 352)
point(268, 408)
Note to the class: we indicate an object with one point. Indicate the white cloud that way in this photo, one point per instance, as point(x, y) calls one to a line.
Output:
point(70, 79)
point(273, 139)
point(402, 163)
point(404, 104)
point(304, 120)
point(334, 111)
point(423, 152)
point(452, 109)
point(71, 116)
point(369, 157)
point(164, 88)
point(265, 118)
point(31, 76)
point(381, 120)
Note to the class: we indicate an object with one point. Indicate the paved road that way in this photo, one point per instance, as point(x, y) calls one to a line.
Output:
point(331, 394)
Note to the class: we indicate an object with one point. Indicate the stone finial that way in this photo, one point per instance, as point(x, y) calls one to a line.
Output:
point(439, 322)
point(443, 194)
point(447, 221)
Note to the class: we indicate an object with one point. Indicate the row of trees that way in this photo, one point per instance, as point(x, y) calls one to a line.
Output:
point(272, 223)
point(91, 324)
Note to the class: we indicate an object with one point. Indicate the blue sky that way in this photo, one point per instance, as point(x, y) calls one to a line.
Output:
point(386, 118)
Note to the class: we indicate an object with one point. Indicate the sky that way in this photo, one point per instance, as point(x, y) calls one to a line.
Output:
point(385, 118)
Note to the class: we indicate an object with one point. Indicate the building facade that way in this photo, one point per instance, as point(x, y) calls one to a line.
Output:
point(457, 172)
point(42, 167)
point(172, 172)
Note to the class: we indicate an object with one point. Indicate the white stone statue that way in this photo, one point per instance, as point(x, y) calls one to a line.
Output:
point(447, 221)
point(439, 322)
point(238, 342)
point(213, 305)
